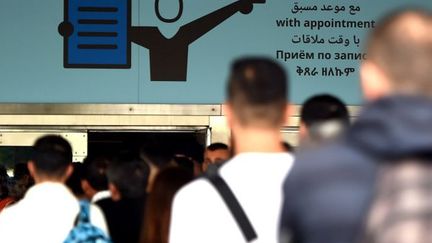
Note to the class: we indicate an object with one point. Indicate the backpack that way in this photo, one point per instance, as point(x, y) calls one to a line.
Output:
point(402, 207)
point(231, 201)
point(84, 231)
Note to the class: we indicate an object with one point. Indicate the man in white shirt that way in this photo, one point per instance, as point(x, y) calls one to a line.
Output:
point(256, 109)
point(48, 210)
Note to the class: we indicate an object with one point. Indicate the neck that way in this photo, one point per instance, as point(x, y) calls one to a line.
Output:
point(257, 140)
point(42, 179)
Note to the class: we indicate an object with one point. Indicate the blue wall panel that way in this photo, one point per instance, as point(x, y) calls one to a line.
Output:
point(31, 52)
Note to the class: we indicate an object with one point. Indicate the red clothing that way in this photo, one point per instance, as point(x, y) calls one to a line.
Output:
point(5, 202)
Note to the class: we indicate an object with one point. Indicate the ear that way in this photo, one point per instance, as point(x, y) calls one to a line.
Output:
point(228, 112)
point(287, 114)
point(375, 83)
point(69, 171)
point(303, 131)
point(115, 193)
point(31, 167)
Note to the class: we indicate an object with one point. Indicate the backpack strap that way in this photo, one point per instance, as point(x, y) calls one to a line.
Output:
point(84, 213)
point(233, 204)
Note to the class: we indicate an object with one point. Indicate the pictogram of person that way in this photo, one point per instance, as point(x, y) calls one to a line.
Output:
point(169, 56)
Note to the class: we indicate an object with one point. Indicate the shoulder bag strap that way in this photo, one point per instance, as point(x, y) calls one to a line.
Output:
point(233, 204)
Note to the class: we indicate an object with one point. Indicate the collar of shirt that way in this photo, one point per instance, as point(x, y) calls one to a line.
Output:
point(101, 195)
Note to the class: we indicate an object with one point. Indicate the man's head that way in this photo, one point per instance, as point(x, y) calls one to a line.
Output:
point(215, 153)
point(256, 94)
point(95, 175)
point(399, 56)
point(52, 159)
point(128, 177)
point(323, 116)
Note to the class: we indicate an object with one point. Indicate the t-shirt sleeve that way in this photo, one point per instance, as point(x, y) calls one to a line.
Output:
point(183, 218)
point(97, 218)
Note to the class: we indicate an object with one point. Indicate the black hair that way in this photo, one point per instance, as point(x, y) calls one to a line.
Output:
point(322, 108)
point(156, 154)
point(95, 172)
point(257, 90)
point(52, 155)
point(129, 174)
point(4, 179)
point(74, 180)
point(20, 171)
point(217, 146)
point(184, 162)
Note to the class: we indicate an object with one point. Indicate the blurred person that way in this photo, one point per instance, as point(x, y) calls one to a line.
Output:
point(185, 163)
point(127, 181)
point(21, 181)
point(157, 158)
point(322, 118)
point(95, 181)
point(194, 152)
point(288, 147)
point(48, 210)
point(5, 199)
point(215, 153)
point(256, 109)
point(74, 181)
point(158, 211)
point(330, 189)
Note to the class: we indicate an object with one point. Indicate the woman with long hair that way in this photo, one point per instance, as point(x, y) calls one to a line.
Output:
point(158, 211)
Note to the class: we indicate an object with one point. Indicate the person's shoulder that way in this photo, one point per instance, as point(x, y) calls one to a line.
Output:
point(326, 155)
point(199, 186)
point(9, 215)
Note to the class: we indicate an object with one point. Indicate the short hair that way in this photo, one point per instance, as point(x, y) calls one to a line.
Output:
point(95, 172)
point(129, 175)
point(257, 90)
point(217, 146)
point(401, 45)
point(52, 155)
point(322, 108)
point(74, 180)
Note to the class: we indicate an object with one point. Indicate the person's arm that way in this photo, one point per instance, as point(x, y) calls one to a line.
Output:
point(199, 27)
point(142, 36)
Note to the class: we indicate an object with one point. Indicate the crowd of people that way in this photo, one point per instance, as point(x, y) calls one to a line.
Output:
point(364, 181)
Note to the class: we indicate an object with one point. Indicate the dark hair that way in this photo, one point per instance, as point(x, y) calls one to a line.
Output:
point(184, 162)
point(158, 210)
point(95, 172)
point(20, 182)
point(129, 174)
point(322, 108)
point(257, 91)
point(402, 52)
point(217, 146)
point(52, 155)
point(4, 179)
point(21, 170)
point(157, 155)
point(74, 180)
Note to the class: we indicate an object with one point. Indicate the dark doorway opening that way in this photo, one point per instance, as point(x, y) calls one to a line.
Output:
point(187, 142)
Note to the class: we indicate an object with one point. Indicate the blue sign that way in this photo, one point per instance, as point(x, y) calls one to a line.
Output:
point(95, 33)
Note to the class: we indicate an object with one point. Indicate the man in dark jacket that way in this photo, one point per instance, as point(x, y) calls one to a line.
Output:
point(329, 190)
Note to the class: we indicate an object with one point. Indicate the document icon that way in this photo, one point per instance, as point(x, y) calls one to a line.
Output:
point(96, 33)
